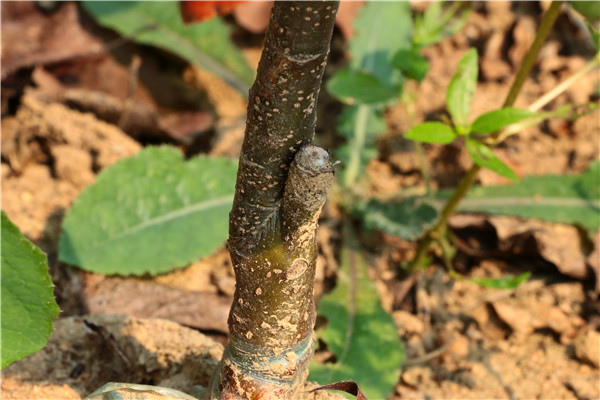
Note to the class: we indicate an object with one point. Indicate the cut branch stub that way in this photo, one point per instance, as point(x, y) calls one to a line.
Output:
point(274, 304)
point(281, 120)
point(281, 113)
point(281, 187)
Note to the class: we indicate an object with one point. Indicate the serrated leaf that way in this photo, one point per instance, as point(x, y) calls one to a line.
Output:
point(381, 29)
point(505, 282)
point(431, 132)
point(150, 213)
point(483, 156)
point(360, 333)
point(495, 120)
point(556, 198)
point(411, 63)
point(407, 219)
point(355, 87)
point(28, 305)
point(159, 23)
point(360, 125)
point(461, 88)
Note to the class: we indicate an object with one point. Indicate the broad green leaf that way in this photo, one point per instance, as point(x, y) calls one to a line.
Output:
point(461, 88)
point(589, 9)
point(556, 198)
point(381, 29)
point(407, 219)
point(360, 125)
point(355, 87)
point(159, 23)
point(505, 282)
point(495, 120)
point(411, 63)
point(431, 132)
point(360, 333)
point(150, 213)
point(28, 305)
point(483, 156)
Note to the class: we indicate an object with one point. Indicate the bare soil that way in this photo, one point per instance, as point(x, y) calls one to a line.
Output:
point(540, 340)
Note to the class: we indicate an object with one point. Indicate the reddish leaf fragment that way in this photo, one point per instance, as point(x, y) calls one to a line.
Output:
point(349, 387)
point(198, 11)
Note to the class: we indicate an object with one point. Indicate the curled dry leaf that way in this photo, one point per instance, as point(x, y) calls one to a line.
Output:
point(31, 38)
point(559, 244)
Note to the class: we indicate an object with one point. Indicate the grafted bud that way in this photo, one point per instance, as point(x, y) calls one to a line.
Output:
point(309, 180)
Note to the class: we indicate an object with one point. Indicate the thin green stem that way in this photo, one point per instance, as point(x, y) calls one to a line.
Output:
point(423, 166)
point(465, 184)
point(435, 231)
point(554, 93)
point(534, 50)
point(409, 105)
point(358, 145)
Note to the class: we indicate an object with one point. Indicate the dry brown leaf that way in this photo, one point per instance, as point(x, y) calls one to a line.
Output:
point(147, 299)
point(30, 38)
point(557, 243)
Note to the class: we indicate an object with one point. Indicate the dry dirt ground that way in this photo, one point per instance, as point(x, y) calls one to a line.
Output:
point(62, 123)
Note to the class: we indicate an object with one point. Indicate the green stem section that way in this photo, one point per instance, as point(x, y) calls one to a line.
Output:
point(551, 95)
point(358, 145)
point(467, 181)
point(534, 50)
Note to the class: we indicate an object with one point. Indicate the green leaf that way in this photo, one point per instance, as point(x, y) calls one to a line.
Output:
point(159, 23)
point(150, 213)
point(407, 219)
point(360, 333)
point(505, 282)
point(589, 9)
point(433, 25)
point(381, 29)
point(28, 305)
point(495, 120)
point(483, 156)
point(431, 132)
point(461, 88)
point(411, 63)
point(556, 198)
point(359, 87)
point(360, 125)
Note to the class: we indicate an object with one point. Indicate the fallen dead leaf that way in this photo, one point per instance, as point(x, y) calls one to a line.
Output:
point(147, 299)
point(557, 243)
point(30, 38)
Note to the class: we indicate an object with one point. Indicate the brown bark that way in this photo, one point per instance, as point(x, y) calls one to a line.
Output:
point(281, 186)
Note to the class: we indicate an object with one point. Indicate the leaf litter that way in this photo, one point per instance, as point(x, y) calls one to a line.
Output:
point(462, 340)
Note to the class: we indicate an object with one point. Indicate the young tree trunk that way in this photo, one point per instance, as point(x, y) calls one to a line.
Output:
point(281, 186)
